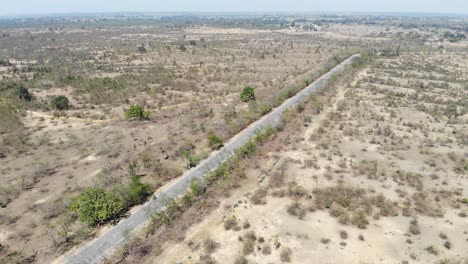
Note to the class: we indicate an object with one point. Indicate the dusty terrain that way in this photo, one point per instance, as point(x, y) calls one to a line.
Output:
point(378, 177)
point(188, 74)
point(189, 79)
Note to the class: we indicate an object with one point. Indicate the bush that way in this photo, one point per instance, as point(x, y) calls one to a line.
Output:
point(136, 112)
point(192, 160)
point(286, 254)
point(248, 94)
point(23, 93)
point(230, 223)
point(97, 206)
point(241, 260)
point(214, 141)
point(135, 192)
point(60, 103)
point(196, 188)
point(247, 150)
point(210, 245)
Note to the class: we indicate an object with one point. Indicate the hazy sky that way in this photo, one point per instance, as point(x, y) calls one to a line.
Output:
point(68, 6)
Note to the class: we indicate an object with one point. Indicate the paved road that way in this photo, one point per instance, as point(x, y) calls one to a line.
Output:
point(102, 246)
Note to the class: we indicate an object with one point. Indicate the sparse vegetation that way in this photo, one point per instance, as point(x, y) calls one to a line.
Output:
point(386, 138)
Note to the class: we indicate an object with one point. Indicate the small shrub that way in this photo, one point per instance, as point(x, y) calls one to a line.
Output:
point(136, 112)
point(343, 234)
point(196, 188)
point(247, 150)
point(266, 250)
point(210, 245)
point(286, 254)
point(248, 94)
point(60, 103)
point(23, 93)
point(241, 260)
point(259, 196)
point(207, 259)
point(230, 223)
point(443, 235)
point(214, 141)
point(97, 206)
point(296, 209)
point(448, 244)
point(249, 242)
point(414, 227)
point(433, 250)
point(192, 160)
point(360, 220)
point(134, 192)
point(248, 247)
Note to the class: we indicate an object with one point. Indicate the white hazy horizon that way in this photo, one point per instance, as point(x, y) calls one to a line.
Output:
point(28, 7)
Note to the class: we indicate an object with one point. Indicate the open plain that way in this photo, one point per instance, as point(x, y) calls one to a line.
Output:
point(371, 170)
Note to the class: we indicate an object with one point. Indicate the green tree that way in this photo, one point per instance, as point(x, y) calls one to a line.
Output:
point(96, 206)
point(136, 112)
point(248, 94)
point(214, 141)
point(60, 103)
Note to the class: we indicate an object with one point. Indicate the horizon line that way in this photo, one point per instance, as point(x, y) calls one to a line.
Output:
point(46, 14)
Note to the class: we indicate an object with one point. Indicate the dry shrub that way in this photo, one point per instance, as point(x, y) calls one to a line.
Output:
point(266, 250)
point(231, 223)
point(425, 206)
point(277, 177)
point(296, 209)
point(295, 190)
point(414, 227)
point(210, 245)
point(248, 240)
point(286, 254)
point(352, 205)
point(259, 196)
point(343, 234)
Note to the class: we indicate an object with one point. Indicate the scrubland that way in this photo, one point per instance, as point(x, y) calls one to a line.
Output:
point(381, 152)
point(373, 172)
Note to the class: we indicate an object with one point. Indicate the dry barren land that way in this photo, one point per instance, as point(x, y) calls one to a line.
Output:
point(108, 110)
point(379, 176)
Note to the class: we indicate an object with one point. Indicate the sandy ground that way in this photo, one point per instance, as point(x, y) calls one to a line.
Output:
point(318, 236)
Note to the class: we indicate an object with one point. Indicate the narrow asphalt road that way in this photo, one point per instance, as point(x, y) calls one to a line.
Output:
point(102, 246)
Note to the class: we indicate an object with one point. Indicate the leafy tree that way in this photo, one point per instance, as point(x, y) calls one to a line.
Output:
point(60, 103)
point(96, 206)
point(23, 93)
point(248, 94)
point(214, 141)
point(136, 112)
